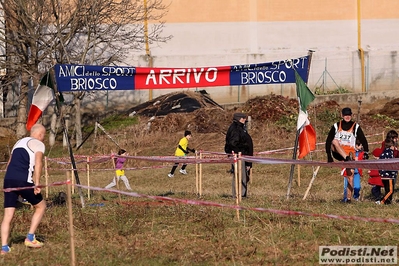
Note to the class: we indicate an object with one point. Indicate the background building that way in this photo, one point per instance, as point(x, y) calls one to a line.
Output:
point(355, 44)
point(227, 32)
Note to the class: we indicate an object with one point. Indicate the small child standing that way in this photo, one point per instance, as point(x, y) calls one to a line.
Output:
point(358, 173)
point(388, 177)
point(181, 151)
point(119, 172)
point(376, 183)
point(375, 178)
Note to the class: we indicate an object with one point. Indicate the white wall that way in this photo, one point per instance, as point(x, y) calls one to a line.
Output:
point(335, 61)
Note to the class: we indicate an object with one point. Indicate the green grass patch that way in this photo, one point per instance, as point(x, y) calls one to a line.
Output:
point(114, 122)
point(392, 123)
point(339, 90)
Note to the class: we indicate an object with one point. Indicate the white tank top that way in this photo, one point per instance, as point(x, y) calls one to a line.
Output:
point(346, 138)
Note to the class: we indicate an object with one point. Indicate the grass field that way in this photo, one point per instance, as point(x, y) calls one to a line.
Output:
point(127, 230)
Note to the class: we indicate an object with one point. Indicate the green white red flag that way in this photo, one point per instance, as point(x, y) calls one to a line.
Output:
point(42, 97)
point(307, 135)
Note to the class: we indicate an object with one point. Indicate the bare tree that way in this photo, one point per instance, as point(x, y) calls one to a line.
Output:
point(41, 33)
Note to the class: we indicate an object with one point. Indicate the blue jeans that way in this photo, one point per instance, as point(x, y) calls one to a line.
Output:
point(356, 186)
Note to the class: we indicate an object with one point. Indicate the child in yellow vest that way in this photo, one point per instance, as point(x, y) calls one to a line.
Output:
point(181, 151)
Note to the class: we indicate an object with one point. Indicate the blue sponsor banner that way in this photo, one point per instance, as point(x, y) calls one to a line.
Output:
point(270, 73)
point(93, 78)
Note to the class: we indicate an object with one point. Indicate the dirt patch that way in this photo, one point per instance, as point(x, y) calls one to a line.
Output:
point(270, 108)
point(179, 102)
point(390, 109)
point(263, 109)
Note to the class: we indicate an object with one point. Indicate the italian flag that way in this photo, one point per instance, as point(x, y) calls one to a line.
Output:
point(307, 135)
point(42, 97)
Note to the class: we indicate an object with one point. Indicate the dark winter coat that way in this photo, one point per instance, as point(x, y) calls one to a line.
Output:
point(238, 140)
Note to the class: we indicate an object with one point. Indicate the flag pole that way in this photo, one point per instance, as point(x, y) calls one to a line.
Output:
point(58, 104)
point(293, 165)
point(294, 153)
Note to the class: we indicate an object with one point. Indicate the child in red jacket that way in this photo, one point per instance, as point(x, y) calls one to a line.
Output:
point(375, 179)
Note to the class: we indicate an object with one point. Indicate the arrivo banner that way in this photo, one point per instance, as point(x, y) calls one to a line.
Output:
point(92, 78)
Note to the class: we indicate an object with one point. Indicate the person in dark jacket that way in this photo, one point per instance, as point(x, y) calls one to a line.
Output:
point(340, 143)
point(388, 177)
point(239, 140)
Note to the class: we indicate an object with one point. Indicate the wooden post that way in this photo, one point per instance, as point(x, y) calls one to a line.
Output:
point(236, 185)
point(88, 176)
point(196, 174)
point(71, 231)
point(294, 153)
point(311, 182)
point(200, 176)
point(239, 188)
point(46, 175)
point(73, 181)
point(299, 175)
point(95, 136)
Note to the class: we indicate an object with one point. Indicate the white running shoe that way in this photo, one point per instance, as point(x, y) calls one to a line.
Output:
point(184, 172)
point(170, 175)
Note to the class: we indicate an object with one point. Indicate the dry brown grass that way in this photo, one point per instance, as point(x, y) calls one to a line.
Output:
point(141, 231)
